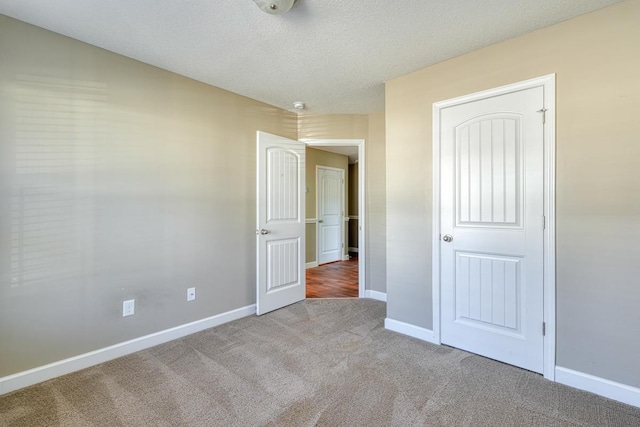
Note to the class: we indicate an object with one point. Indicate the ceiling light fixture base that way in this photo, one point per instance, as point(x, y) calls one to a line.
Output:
point(275, 7)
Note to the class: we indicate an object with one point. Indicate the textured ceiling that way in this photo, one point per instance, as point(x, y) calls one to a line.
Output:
point(334, 55)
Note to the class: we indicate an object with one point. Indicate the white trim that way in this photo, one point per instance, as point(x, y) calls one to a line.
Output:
point(601, 386)
point(352, 249)
point(311, 220)
point(312, 264)
point(377, 295)
point(549, 314)
point(410, 330)
point(62, 367)
point(360, 143)
point(435, 225)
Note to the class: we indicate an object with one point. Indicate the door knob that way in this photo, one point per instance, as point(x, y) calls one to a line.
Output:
point(263, 231)
point(447, 237)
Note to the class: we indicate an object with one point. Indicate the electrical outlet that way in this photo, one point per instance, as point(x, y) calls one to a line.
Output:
point(128, 307)
point(191, 294)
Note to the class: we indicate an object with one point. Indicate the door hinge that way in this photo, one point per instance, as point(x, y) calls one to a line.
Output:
point(544, 329)
point(343, 181)
point(544, 222)
point(544, 114)
point(342, 245)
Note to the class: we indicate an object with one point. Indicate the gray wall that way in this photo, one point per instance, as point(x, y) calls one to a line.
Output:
point(597, 63)
point(118, 180)
point(352, 209)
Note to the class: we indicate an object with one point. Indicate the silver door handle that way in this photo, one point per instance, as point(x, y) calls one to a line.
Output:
point(447, 238)
point(263, 231)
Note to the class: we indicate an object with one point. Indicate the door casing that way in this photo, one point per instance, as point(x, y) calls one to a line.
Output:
point(549, 287)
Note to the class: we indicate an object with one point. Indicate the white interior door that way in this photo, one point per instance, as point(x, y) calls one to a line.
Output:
point(492, 225)
point(330, 183)
point(281, 222)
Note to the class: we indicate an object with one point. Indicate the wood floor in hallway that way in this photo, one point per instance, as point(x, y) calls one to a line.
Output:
point(333, 280)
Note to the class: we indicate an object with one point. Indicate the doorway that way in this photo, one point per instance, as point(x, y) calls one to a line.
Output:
point(493, 256)
point(344, 277)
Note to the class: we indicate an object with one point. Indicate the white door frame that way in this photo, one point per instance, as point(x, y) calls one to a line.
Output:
point(361, 199)
point(548, 83)
point(343, 190)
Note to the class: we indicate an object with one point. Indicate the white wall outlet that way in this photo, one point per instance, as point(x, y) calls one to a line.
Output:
point(128, 307)
point(191, 294)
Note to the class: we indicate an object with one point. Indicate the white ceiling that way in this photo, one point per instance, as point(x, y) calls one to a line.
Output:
point(334, 55)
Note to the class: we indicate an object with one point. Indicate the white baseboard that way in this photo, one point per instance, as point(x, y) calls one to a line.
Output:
point(351, 249)
point(601, 386)
point(380, 296)
point(411, 330)
point(311, 264)
point(346, 257)
point(52, 370)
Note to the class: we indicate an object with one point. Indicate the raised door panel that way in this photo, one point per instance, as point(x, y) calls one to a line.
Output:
point(488, 291)
point(488, 159)
point(282, 186)
point(283, 263)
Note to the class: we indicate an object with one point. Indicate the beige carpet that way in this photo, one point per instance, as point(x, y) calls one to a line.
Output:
point(319, 362)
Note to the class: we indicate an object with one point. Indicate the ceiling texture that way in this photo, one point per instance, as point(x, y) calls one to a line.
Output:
point(334, 55)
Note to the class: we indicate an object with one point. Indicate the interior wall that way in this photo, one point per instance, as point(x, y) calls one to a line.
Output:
point(596, 60)
point(352, 211)
point(333, 126)
point(353, 189)
point(118, 180)
point(316, 158)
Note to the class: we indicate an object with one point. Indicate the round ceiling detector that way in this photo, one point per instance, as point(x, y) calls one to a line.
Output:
point(298, 105)
point(275, 7)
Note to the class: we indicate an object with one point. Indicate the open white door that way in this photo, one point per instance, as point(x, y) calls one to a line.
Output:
point(281, 222)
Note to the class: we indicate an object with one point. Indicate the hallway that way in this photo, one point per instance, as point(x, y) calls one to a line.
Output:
point(333, 280)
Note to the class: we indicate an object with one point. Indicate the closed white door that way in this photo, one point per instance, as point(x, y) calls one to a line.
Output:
point(330, 183)
point(281, 222)
point(492, 225)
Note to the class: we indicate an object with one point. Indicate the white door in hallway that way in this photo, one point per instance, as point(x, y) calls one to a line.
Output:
point(330, 182)
point(280, 222)
point(492, 227)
